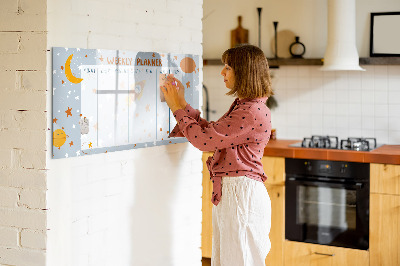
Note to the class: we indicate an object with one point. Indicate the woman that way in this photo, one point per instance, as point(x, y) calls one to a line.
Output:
point(242, 207)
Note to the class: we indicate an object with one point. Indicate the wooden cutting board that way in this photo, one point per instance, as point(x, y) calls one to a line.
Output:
point(239, 35)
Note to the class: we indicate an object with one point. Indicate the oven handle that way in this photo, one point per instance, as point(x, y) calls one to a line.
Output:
point(357, 185)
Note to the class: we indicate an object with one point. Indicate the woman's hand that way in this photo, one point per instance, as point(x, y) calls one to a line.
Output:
point(181, 90)
point(171, 95)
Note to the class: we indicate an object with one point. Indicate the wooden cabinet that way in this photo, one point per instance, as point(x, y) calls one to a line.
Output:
point(206, 226)
point(384, 236)
point(305, 254)
point(277, 233)
point(385, 178)
point(274, 168)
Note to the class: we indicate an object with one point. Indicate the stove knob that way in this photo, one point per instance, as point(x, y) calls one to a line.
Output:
point(308, 167)
point(343, 168)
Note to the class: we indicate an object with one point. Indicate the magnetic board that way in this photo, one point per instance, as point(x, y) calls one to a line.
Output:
point(110, 100)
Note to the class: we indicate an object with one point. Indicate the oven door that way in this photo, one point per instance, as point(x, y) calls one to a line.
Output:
point(327, 213)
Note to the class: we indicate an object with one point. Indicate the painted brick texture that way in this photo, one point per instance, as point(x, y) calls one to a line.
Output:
point(23, 218)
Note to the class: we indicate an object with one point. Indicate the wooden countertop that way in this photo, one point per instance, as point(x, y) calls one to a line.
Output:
point(389, 154)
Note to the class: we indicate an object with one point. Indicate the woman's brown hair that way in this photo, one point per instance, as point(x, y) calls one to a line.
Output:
point(250, 66)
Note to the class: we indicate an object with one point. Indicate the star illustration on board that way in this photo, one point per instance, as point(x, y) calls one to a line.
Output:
point(90, 144)
point(69, 111)
point(101, 58)
point(188, 84)
point(55, 120)
point(154, 55)
point(148, 108)
point(71, 143)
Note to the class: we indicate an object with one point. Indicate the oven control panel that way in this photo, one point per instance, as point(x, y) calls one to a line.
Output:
point(338, 169)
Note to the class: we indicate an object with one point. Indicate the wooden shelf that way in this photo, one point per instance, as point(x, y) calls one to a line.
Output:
point(273, 63)
point(295, 62)
point(380, 61)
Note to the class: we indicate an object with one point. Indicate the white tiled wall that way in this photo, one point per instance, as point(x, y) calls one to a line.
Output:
point(312, 102)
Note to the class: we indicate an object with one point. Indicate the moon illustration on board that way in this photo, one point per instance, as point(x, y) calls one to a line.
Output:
point(68, 72)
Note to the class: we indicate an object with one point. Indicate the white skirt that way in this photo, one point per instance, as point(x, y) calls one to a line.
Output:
point(241, 223)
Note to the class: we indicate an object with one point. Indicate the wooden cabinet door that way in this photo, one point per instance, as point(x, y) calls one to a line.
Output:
point(385, 178)
point(305, 254)
point(384, 236)
point(274, 168)
point(277, 233)
point(206, 226)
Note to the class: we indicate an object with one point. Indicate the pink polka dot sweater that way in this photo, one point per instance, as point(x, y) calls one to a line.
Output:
point(238, 139)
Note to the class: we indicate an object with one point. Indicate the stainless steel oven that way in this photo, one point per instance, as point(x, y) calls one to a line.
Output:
point(327, 203)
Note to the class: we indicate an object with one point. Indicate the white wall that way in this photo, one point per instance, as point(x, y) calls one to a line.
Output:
point(135, 207)
point(305, 18)
point(311, 102)
point(23, 132)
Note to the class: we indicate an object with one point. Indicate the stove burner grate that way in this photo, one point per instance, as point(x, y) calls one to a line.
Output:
point(328, 142)
point(358, 144)
point(332, 142)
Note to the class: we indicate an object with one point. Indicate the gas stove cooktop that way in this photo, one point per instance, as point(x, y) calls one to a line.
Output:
point(332, 142)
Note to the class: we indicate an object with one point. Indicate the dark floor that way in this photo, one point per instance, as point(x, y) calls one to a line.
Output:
point(206, 261)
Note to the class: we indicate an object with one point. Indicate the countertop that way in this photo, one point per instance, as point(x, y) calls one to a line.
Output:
point(389, 154)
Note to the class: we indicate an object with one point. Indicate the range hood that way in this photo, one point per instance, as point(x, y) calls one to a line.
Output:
point(341, 51)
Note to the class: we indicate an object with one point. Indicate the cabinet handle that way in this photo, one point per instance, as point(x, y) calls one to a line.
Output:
point(325, 254)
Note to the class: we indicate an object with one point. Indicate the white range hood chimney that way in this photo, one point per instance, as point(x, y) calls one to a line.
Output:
point(341, 51)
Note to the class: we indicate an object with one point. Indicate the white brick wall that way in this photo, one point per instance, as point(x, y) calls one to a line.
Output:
point(23, 124)
point(137, 207)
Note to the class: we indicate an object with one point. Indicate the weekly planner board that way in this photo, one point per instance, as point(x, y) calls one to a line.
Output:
point(110, 100)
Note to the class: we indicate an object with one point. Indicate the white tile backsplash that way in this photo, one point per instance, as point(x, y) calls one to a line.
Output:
point(381, 83)
point(381, 110)
point(394, 110)
point(394, 96)
point(343, 103)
